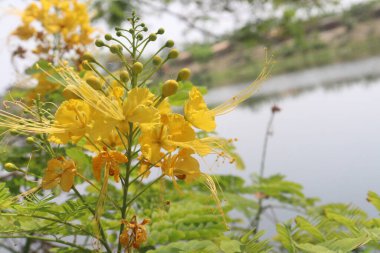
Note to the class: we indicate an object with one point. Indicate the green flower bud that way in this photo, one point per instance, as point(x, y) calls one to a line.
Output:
point(30, 140)
point(152, 37)
point(120, 47)
point(118, 34)
point(145, 29)
point(114, 49)
point(99, 43)
point(130, 31)
point(124, 76)
point(184, 74)
point(157, 60)
point(10, 167)
point(140, 36)
point(169, 43)
point(88, 57)
point(161, 31)
point(173, 54)
point(169, 88)
point(94, 82)
point(13, 132)
point(137, 67)
point(86, 65)
point(108, 37)
point(68, 94)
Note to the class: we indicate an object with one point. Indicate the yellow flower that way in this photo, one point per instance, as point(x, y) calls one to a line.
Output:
point(111, 159)
point(173, 130)
point(200, 116)
point(182, 166)
point(74, 116)
point(134, 234)
point(24, 32)
point(138, 107)
point(59, 171)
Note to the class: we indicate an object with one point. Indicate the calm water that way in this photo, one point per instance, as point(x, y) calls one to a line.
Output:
point(327, 140)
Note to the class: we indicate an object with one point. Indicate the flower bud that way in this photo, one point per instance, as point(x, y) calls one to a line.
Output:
point(10, 167)
point(161, 31)
point(169, 88)
point(114, 49)
point(13, 132)
point(30, 140)
point(86, 65)
point(145, 29)
point(173, 54)
point(99, 43)
point(139, 36)
point(169, 43)
point(108, 37)
point(94, 82)
point(118, 34)
point(124, 76)
point(137, 67)
point(157, 60)
point(88, 57)
point(68, 94)
point(152, 37)
point(184, 74)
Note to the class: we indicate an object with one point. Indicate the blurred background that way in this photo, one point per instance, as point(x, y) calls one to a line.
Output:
point(325, 80)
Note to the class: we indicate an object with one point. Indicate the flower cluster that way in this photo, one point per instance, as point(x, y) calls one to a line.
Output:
point(126, 122)
point(56, 26)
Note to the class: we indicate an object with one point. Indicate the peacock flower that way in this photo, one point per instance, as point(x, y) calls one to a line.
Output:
point(134, 234)
point(59, 171)
point(200, 116)
point(75, 117)
point(182, 166)
point(111, 160)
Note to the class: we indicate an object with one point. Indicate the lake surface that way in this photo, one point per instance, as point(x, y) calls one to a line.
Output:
point(326, 139)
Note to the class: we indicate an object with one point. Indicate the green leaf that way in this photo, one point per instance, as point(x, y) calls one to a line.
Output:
point(303, 224)
point(310, 248)
point(82, 161)
point(5, 197)
point(374, 199)
point(230, 246)
point(285, 237)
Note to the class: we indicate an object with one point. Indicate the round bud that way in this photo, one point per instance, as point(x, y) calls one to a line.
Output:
point(169, 43)
point(99, 43)
point(157, 60)
point(124, 76)
point(161, 31)
point(184, 74)
point(130, 31)
point(86, 65)
point(173, 54)
point(137, 67)
point(68, 94)
point(145, 29)
point(13, 132)
point(108, 37)
point(140, 36)
point(152, 37)
point(169, 88)
point(120, 47)
point(10, 167)
point(114, 49)
point(142, 24)
point(30, 140)
point(88, 57)
point(118, 34)
point(94, 82)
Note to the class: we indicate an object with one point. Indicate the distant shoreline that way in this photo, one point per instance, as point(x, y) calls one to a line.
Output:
point(309, 78)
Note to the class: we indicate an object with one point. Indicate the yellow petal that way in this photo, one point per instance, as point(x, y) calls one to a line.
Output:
point(197, 112)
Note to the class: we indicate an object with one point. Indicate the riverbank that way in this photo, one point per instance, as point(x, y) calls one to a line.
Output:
point(299, 81)
point(339, 38)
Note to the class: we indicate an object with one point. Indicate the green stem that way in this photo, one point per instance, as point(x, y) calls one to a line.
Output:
point(103, 235)
point(143, 190)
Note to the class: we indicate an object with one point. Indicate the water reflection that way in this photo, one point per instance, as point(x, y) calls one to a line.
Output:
point(327, 140)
